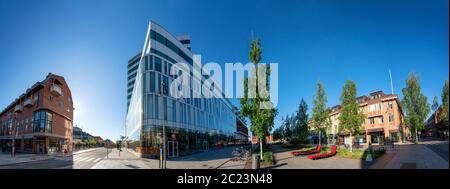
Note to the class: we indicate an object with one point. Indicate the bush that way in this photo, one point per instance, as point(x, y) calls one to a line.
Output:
point(268, 158)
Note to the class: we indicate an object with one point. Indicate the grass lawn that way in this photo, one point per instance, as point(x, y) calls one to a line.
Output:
point(356, 154)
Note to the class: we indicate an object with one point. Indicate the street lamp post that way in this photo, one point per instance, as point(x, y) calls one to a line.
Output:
point(164, 163)
point(13, 150)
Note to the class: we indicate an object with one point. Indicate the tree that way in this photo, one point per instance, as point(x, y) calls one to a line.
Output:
point(351, 117)
point(287, 134)
point(278, 133)
point(261, 120)
point(415, 105)
point(445, 103)
point(320, 119)
point(435, 104)
point(300, 130)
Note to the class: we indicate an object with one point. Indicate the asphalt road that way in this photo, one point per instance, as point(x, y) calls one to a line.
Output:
point(78, 161)
point(440, 148)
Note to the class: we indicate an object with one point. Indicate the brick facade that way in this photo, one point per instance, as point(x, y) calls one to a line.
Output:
point(21, 125)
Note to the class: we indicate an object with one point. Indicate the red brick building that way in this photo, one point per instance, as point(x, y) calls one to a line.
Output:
point(40, 120)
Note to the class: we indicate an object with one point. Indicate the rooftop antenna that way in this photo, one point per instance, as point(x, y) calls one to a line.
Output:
point(390, 77)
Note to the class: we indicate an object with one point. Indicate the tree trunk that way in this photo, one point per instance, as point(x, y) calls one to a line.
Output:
point(416, 135)
point(320, 138)
point(261, 148)
point(351, 142)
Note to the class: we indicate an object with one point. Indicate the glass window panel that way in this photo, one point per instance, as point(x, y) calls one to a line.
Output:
point(158, 64)
point(152, 82)
point(156, 107)
point(165, 108)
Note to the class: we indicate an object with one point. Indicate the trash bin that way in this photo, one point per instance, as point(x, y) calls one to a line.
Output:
point(255, 161)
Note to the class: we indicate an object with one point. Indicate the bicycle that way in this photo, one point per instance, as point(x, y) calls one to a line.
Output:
point(238, 154)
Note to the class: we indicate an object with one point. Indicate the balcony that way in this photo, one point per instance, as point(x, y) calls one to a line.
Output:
point(18, 108)
point(28, 102)
point(375, 113)
point(56, 90)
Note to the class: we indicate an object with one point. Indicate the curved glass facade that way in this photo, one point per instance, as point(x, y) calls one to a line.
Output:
point(191, 124)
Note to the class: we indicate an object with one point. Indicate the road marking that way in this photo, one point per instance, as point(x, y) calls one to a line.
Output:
point(90, 159)
point(98, 159)
point(77, 158)
point(82, 159)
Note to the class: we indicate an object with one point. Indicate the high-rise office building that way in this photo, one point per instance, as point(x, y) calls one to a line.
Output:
point(191, 124)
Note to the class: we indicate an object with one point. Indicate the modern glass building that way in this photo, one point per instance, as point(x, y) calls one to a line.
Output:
point(191, 124)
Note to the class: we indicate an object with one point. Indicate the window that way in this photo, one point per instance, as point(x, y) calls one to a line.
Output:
point(391, 118)
point(170, 68)
point(144, 84)
point(380, 120)
point(150, 61)
point(146, 64)
point(152, 82)
point(165, 67)
point(165, 108)
point(390, 105)
point(165, 85)
point(372, 121)
point(50, 98)
point(158, 64)
point(150, 106)
point(42, 121)
point(156, 108)
point(374, 107)
point(174, 110)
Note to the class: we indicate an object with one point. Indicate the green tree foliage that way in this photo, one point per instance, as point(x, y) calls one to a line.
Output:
point(351, 117)
point(278, 133)
point(300, 130)
point(415, 105)
point(445, 103)
point(287, 130)
point(261, 120)
point(320, 119)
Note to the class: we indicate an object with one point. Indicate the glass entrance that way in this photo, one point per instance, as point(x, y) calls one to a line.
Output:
point(205, 145)
point(172, 148)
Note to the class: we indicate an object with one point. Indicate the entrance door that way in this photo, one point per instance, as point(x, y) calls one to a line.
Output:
point(374, 138)
point(205, 145)
point(172, 150)
point(40, 147)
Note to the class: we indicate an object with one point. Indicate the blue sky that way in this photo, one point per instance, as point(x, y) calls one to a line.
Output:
point(90, 41)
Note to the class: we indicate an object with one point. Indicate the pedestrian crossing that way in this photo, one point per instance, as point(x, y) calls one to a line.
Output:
point(87, 159)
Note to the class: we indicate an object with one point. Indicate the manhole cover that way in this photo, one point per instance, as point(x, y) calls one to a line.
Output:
point(204, 165)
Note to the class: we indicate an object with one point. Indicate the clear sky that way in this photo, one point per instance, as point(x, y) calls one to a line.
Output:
point(90, 41)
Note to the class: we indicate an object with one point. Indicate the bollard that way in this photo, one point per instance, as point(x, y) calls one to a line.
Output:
point(255, 161)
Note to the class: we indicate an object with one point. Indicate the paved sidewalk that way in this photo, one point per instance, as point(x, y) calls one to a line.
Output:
point(86, 150)
point(214, 159)
point(414, 156)
point(7, 159)
point(285, 160)
point(123, 160)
